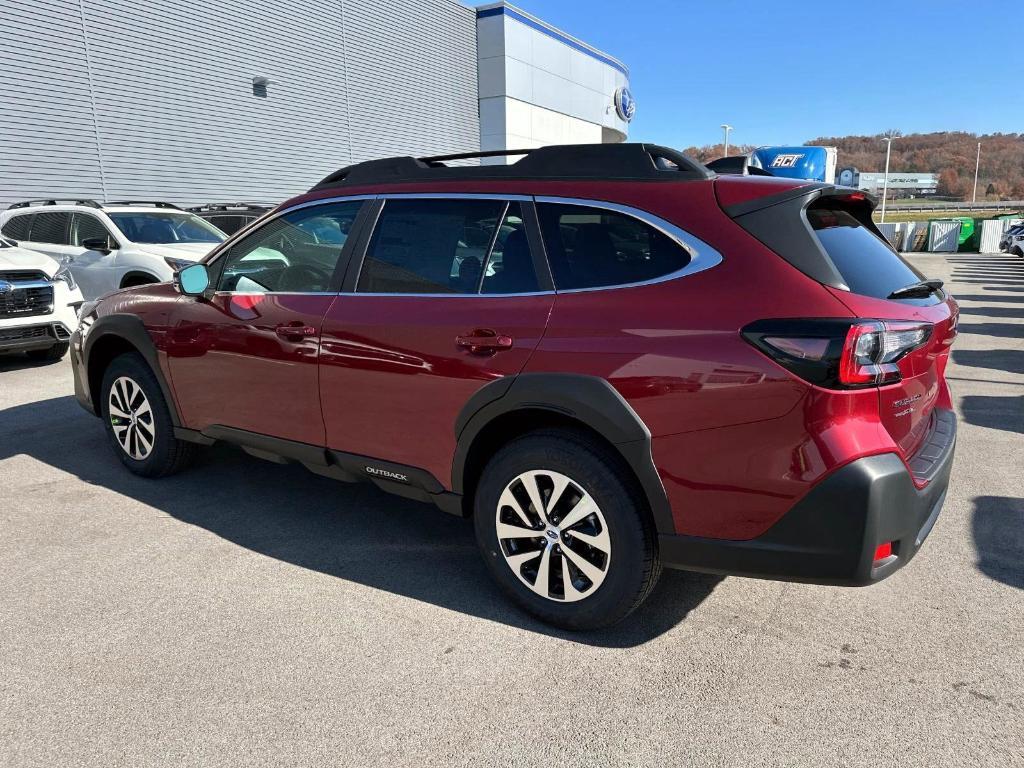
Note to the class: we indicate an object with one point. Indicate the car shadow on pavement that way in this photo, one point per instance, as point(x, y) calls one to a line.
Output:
point(1012, 312)
point(998, 528)
point(1001, 330)
point(1004, 412)
point(351, 531)
point(16, 361)
point(1008, 360)
point(980, 297)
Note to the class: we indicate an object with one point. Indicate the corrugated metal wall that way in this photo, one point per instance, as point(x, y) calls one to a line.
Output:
point(119, 99)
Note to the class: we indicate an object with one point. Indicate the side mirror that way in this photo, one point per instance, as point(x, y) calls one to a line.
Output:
point(101, 244)
point(193, 280)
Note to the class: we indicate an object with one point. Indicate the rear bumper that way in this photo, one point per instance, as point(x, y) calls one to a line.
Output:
point(831, 535)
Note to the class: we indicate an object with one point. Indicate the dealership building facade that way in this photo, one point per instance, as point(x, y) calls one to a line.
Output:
point(256, 100)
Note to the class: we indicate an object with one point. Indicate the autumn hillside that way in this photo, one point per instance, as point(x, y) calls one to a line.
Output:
point(950, 154)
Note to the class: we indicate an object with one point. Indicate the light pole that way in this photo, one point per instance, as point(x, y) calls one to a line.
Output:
point(726, 128)
point(977, 164)
point(885, 181)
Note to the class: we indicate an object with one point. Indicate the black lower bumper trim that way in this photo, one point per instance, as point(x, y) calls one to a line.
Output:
point(831, 535)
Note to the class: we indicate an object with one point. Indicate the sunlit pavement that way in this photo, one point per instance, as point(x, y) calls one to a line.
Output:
point(246, 612)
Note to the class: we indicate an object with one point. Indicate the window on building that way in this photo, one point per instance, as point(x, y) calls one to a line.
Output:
point(593, 247)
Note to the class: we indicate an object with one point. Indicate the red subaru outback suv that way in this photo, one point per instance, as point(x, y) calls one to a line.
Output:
point(610, 358)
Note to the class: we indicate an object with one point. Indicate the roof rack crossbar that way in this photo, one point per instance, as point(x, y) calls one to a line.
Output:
point(154, 203)
point(57, 201)
point(595, 162)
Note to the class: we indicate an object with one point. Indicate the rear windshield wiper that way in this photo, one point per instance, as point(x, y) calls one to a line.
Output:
point(919, 290)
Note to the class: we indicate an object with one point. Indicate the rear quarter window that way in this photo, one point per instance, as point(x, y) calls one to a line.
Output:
point(867, 264)
point(17, 227)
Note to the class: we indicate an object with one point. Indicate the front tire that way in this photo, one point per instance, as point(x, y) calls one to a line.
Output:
point(561, 530)
point(138, 421)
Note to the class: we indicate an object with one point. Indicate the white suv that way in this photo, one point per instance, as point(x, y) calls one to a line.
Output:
point(111, 245)
point(39, 303)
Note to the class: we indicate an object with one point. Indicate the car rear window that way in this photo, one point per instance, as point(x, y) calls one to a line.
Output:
point(866, 262)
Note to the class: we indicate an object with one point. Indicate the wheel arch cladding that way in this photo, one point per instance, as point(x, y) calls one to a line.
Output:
point(509, 407)
point(114, 335)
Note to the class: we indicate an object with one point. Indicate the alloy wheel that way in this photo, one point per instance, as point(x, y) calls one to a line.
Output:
point(131, 418)
point(553, 536)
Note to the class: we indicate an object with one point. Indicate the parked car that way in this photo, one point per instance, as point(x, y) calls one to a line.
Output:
point(39, 301)
point(1012, 240)
point(111, 245)
point(641, 364)
point(231, 217)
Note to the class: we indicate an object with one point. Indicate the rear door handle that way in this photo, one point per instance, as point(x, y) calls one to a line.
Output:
point(484, 342)
point(295, 330)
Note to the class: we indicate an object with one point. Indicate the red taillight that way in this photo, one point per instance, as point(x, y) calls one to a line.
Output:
point(838, 353)
point(883, 551)
point(872, 348)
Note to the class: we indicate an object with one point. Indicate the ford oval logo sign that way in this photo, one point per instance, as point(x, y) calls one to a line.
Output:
point(625, 105)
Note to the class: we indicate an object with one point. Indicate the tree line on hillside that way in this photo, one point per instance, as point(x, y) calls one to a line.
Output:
point(951, 154)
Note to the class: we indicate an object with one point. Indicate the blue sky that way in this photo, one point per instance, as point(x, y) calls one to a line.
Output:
point(787, 72)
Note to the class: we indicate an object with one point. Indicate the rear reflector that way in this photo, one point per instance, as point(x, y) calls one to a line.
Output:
point(883, 551)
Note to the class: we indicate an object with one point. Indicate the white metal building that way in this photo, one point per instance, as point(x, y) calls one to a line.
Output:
point(195, 101)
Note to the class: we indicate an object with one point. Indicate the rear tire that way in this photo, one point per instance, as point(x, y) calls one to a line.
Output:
point(612, 564)
point(50, 354)
point(138, 421)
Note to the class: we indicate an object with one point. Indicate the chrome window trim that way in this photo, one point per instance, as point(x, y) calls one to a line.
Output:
point(702, 255)
point(453, 196)
point(275, 293)
point(448, 295)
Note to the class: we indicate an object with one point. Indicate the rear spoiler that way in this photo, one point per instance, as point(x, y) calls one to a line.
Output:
point(812, 190)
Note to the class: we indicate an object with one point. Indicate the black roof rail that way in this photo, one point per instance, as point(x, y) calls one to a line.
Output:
point(57, 201)
point(151, 203)
point(596, 162)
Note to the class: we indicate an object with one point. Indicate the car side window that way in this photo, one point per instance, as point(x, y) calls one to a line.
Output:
point(86, 227)
point(17, 227)
point(510, 266)
point(591, 247)
point(50, 227)
point(294, 253)
point(431, 246)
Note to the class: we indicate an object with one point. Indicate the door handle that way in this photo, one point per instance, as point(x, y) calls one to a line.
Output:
point(484, 342)
point(295, 330)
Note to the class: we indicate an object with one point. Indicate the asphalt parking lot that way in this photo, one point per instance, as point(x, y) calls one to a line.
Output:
point(246, 612)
